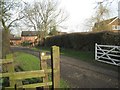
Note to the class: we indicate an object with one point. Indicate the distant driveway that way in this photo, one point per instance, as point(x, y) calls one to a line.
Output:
point(80, 74)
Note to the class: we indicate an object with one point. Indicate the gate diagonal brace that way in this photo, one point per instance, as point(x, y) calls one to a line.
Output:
point(105, 53)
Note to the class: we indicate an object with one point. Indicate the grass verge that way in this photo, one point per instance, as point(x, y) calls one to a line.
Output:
point(82, 55)
point(28, 62)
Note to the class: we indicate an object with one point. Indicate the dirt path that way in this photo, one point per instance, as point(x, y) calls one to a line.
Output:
point(80, 74)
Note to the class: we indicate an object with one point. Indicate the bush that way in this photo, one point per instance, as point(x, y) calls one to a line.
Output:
point(84, 41)
point(26, 43)
point(111, 38)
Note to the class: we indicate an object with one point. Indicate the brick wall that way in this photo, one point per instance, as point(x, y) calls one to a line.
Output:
point(28, 38)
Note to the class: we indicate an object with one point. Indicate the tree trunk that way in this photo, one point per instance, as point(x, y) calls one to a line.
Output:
point(5, 39)
point(5, 43)
point(0, 43)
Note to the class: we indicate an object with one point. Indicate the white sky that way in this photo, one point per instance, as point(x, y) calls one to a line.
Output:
point(79, 11)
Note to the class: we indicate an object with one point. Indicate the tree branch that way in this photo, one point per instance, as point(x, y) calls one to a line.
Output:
point(15, 21)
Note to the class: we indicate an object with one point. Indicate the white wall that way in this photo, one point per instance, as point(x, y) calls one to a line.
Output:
point(115, 27)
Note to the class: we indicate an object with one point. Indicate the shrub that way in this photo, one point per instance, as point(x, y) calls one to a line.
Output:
point(84, 41)
point(26, 43)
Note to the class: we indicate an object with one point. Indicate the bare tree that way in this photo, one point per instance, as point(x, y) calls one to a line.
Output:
point(7, 12)
point(88, 24)
point(7, 21)
point(43, 15)
point(102, 12)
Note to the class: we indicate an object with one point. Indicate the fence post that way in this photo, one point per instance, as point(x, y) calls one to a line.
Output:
point(0, 43)
point(44, 67)
point(18, 85)
point(55, 58)
point(95, 51)
point(10, 68)
point(0, 53)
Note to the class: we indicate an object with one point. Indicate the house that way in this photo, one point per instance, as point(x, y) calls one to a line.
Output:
point(29, 36)
point(109, 24)
point(15, 40)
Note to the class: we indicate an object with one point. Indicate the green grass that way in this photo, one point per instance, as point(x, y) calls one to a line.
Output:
point(83, 56)
point(87, 57)
point(28, 62)
point(44, 49)
point(9, 56)
point(64, 84)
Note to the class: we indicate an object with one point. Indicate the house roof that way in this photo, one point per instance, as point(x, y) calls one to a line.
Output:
point(108, 21)
point(114, 19)
point(15, 38)
point(29, 33)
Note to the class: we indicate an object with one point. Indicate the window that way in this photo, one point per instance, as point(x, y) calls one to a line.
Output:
point(115, 27)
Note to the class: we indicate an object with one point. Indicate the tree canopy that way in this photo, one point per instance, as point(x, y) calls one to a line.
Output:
point(102, 12)
point(9, 13)
point(43, 15)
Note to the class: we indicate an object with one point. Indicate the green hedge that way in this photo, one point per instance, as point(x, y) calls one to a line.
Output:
point(84, 41)
point(26, 43)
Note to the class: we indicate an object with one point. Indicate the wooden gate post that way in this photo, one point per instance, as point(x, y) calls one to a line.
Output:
point(0, 43)
point(0, 53)
point(10, 67)
point(55, 61)
point(44, 67)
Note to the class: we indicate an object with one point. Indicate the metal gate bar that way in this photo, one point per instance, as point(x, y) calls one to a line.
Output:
point(108, 54)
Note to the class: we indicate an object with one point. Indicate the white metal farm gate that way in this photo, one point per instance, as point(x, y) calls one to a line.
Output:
point(108, 54)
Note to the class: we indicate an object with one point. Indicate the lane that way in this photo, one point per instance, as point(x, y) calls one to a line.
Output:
point(83, 75)
point(80, 74)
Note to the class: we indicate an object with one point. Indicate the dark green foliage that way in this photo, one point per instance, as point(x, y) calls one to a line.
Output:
point(84, 41)
point(26, 43)
point(5, 82)
point(111, 38)
point(53, 31)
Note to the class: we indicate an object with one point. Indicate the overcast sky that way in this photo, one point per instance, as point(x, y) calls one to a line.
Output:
point(79, 11)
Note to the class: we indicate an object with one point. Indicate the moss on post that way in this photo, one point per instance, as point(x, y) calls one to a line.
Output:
point(55, 67)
